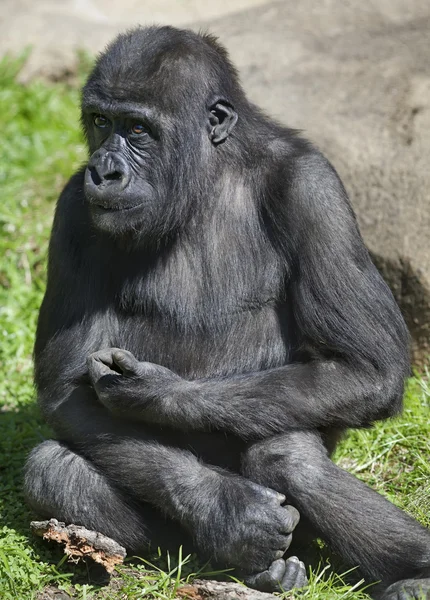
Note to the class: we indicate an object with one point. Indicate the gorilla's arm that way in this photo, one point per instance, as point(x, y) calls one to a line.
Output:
point(349, 328)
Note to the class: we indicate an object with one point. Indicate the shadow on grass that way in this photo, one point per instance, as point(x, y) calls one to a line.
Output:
point(21, 429)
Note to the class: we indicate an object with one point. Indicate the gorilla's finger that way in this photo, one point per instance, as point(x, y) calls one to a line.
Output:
point(291, 518)
point(104, 356)
point(97, 368)
point(126, 361)
point(268, 492)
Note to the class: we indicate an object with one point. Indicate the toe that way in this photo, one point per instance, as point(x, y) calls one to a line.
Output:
point(301, 580)
point(295, 574)
point(269, 580)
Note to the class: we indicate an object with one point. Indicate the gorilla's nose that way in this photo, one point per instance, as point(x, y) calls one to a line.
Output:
point(107, 168)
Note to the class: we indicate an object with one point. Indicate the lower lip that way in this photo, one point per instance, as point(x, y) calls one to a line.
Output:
point(101, 209)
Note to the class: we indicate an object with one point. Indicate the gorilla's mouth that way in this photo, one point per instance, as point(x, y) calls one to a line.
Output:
point(113, 208)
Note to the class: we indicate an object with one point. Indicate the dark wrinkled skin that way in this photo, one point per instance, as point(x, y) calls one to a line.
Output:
point(212, 324)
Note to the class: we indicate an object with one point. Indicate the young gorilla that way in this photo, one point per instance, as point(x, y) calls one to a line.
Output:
point(212, 322)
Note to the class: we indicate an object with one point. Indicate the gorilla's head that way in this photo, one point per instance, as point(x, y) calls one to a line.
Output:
point(156, 110)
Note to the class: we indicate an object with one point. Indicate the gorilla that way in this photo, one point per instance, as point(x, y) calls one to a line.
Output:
point(212, 324)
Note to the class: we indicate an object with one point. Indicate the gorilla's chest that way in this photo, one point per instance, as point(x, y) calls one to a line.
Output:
point(205, 312)
point(251, 340)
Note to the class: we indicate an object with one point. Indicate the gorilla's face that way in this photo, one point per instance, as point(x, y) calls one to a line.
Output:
point(121, 184)
point(155, 131)
point(146, 170)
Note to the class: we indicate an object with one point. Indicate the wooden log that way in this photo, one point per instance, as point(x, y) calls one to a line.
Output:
point(80, 543)
point(201, 589)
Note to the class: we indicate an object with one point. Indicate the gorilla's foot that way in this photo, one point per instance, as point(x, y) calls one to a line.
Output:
point(281, 576)
point(248, 528)
point(408, 589)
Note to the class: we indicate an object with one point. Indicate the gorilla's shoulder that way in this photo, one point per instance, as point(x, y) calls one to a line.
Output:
point(73, 191)
point(71, 211)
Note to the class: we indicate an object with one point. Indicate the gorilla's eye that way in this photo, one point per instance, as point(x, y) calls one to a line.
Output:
point(138, 129)
point(101, 121)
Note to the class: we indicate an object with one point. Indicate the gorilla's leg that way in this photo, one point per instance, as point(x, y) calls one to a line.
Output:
point(62, 484)
point(360, 524)
point(231, 519)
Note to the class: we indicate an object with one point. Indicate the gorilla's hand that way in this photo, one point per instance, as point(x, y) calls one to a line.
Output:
point(127, 386)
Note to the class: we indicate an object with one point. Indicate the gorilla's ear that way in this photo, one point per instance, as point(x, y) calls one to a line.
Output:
point(222, 119)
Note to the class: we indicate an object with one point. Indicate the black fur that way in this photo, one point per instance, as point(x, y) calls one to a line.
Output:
point(212, 321)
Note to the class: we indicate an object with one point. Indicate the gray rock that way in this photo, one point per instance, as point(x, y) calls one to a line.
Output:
point(56, 29)
point(355, 76)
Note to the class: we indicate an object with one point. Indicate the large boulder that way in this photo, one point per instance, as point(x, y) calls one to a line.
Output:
point(355, 76)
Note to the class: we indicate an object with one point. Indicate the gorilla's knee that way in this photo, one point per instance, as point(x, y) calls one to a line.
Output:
point(60, 483)
point(41, 475)
point(44, 452)
point(291, 460)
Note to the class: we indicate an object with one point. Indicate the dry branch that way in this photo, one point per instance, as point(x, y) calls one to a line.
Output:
point(221, 590)
point(80, 542)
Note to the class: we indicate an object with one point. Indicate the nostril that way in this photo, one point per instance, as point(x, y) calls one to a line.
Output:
point(114, 176)
point(98, 176)
point(95, 177)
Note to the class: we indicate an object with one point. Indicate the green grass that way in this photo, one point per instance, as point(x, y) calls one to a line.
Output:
point(41, 146)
